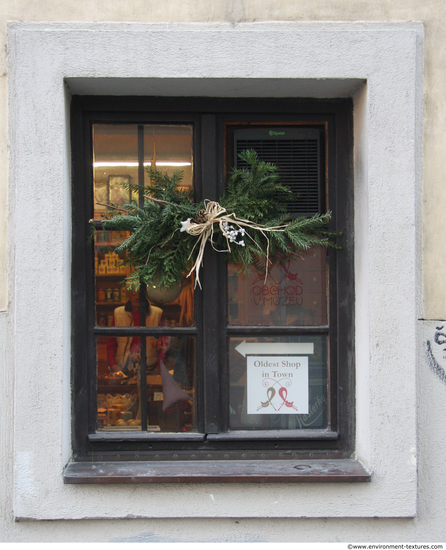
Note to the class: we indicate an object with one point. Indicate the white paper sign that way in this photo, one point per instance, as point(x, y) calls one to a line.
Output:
point(277, 384)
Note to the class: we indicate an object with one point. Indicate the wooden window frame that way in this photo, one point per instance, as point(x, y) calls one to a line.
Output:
point(305, 455)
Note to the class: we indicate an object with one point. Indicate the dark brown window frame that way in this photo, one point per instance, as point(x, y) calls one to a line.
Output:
point(304, 455)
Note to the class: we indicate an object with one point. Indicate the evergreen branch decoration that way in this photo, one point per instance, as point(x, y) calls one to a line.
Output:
point(248, 225)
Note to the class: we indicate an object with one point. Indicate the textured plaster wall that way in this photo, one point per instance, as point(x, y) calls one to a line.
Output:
point(431, 407)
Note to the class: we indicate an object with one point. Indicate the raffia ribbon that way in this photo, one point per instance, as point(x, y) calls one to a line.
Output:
point(215, 213)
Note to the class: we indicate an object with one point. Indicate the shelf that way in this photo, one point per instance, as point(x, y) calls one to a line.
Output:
point(108, 243)
point(111, 276)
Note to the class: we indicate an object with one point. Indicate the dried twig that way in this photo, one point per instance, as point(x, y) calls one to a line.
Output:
point(156, 200)
point(113, 207)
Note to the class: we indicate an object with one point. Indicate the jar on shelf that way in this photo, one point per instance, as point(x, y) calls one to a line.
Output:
point(101, 295)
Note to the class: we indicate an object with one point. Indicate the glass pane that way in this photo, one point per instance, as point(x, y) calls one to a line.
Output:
point(170, 384)
point(118, 399)
point(168, 148)
point(170, 387)
point(115, 162)
point(278, 383)
point(294, 293)
point(177, 307)
point(110, 273)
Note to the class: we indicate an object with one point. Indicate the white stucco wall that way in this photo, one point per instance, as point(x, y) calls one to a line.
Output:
point(430, 403)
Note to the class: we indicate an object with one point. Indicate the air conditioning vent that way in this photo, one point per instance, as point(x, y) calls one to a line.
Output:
point(296, 153)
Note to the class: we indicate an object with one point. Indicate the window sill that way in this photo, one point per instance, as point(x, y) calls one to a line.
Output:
point(218, 471)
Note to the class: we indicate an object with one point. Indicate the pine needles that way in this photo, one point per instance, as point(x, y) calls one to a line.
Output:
point(162, 254)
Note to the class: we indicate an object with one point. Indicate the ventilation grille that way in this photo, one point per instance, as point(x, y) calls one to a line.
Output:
point(297, 161)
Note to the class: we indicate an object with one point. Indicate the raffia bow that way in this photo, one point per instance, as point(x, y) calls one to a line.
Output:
point(216, 214)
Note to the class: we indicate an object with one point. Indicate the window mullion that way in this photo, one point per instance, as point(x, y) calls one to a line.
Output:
point(142, 305)
point(211, 282)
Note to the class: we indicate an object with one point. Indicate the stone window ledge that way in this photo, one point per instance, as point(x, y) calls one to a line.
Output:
point(217, 471)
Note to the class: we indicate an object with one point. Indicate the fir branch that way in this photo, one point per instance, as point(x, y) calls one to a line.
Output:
point(160, 252)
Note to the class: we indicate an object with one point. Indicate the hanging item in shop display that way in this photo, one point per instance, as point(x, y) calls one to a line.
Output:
point(162, 295)
point(248, 226)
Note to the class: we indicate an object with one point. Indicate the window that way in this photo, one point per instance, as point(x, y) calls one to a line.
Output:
point(387, 183)
point(218, 361)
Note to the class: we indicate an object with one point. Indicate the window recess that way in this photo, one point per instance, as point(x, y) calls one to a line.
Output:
point(246, 369)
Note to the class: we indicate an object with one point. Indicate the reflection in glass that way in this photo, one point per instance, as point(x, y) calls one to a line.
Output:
point(170, 387)
point(295, 293)
point(280, 383)
point(115, 162)
point(169, 148)
point(170, 383)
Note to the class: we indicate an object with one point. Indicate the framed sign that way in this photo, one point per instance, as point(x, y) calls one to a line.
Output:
point(277, 384)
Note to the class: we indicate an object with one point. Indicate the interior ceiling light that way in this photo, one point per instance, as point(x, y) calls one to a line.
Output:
point(135, 164)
